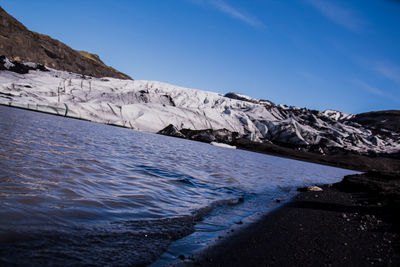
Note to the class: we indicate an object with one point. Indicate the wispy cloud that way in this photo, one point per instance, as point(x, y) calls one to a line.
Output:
point(342, 16)
point(311, 77)
point(383, 67)
point(376, 91)
point(389, 71)
point(231, 11)
point(369, 88)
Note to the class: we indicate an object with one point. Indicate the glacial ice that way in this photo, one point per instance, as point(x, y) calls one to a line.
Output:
point(151, 106)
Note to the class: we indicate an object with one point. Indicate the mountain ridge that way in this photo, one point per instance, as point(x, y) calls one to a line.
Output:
point(387, 119)
point(18, 43)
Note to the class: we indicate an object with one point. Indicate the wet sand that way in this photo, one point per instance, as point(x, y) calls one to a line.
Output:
point(352, 223)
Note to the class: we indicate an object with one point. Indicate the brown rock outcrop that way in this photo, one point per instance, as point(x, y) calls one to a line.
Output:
point(22, 45)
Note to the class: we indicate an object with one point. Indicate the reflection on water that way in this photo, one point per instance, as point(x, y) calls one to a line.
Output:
point(64, 178)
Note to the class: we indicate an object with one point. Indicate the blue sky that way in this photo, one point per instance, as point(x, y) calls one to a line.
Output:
point(319, 54)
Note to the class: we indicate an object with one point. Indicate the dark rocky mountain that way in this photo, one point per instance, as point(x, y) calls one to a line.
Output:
point(20, 44)
point(378, 120)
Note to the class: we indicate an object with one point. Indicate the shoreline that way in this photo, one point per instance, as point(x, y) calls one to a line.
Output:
point(352, 223)
point(365, 184)
point(343, 160)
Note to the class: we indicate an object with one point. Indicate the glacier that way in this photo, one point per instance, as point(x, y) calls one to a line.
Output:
point(158, 107)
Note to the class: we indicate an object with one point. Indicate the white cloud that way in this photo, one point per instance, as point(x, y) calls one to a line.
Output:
point(383, 67)
point(311, 77)
point(371, 89)
point(231, 11)
point(389, 71)
point(344, 17)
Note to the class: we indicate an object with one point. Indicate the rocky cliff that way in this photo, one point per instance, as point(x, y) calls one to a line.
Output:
point(22, 45)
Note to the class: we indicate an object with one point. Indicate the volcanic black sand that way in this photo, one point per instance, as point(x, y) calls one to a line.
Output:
point(352, 223)
point(341, 159)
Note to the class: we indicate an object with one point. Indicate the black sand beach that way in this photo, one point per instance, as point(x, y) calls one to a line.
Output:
point(340, 159)
point(352, 223)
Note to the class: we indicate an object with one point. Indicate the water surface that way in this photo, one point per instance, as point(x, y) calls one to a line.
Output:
point(91, 193)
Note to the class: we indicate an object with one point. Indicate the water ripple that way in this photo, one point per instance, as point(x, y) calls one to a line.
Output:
point(58, 173)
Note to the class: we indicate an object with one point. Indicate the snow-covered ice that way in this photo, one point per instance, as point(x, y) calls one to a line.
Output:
point(151, 106)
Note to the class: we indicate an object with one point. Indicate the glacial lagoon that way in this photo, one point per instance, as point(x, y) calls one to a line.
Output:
point(91, 193)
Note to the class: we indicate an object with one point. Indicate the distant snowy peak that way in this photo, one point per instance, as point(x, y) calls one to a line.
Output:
point(158, 107)
point(263, 102)
point(337, 115)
